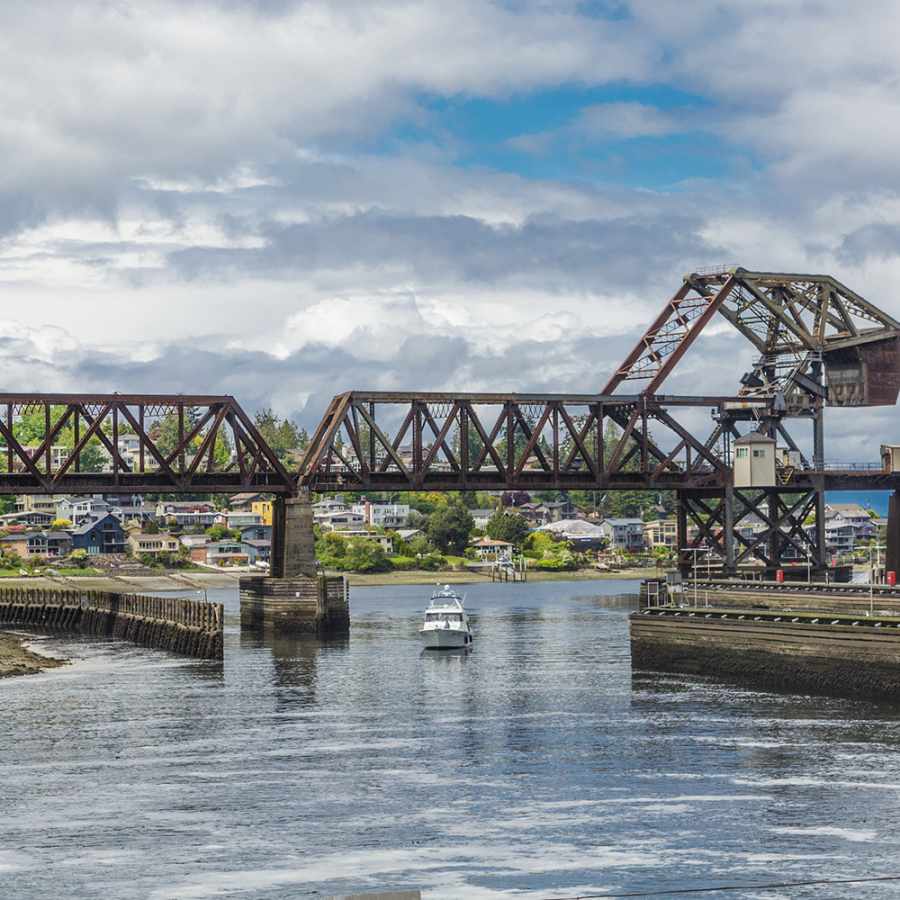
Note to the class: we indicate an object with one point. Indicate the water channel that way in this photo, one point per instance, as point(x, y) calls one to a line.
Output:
point(537, 765)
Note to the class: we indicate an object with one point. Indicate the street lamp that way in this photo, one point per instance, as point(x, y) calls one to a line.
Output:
point(876, 547)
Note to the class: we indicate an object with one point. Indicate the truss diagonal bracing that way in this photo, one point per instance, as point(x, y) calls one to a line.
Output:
point(118, 443)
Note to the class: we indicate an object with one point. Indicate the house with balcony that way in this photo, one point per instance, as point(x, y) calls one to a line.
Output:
point(47, 504)
point(489, 548)
point(152, 544)
point(104, 535)
point(243, 502)
point(78, 510)
point(383, 515)
point(239, 520)
point(187, 513)
point(624, 534)
point(226, 553)
point(853, 514)
point(340, 520)
point(40, 544)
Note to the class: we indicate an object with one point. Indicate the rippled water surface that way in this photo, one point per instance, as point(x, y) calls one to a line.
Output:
point(538, 765)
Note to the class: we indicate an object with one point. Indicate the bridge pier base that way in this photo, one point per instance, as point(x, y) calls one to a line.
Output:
point(303, 605)
point(296, 598)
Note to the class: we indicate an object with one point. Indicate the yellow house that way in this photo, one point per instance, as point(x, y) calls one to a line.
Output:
point(262, 508)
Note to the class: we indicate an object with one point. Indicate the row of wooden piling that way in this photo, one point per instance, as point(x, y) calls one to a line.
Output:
point(187, 627)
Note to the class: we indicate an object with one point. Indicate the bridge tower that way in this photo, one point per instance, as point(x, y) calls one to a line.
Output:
point(819, 344)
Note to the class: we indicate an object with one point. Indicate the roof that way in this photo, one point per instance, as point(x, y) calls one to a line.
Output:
point(87, 527)
point(621, 523)
point(259, 545)
point(577, 527)
point(755, 437)
point(25, 535)
point(189, 505)
point(480, 513)
point(490, 542)
point(849, 509)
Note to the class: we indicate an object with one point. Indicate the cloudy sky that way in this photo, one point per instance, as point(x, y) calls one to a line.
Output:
point(283, 200)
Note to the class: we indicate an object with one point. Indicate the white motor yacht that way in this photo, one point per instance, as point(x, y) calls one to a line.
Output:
point(446, 623)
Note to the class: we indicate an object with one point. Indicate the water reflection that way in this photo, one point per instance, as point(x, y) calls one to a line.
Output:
point(533, 763)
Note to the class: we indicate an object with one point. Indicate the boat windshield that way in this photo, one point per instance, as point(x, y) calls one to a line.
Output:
point(442, 616)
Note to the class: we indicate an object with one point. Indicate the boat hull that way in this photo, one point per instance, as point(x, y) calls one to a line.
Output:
point(444, 638)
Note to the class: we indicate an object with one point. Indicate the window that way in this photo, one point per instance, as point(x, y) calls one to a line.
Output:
point(759, 454)
point(741, 452)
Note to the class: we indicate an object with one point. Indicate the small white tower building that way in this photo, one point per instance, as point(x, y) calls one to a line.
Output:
point(754, 461)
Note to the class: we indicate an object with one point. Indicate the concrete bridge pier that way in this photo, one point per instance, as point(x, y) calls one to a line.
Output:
point(293, 543)
point(892, 539)
point(296, 598)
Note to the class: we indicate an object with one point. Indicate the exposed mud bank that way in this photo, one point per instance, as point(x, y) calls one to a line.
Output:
point(17, 659)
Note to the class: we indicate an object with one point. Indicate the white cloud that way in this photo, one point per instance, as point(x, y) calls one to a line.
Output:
point(190, 196)
point(625, 120)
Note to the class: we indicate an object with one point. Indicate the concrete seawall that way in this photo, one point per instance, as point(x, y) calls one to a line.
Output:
point(802, 653)
point(187, 627)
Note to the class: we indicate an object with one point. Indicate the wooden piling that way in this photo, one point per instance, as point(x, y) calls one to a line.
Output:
point(184, 626)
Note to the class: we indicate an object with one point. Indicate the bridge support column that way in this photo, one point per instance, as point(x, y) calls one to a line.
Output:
point(293, 543)
point(892, 540)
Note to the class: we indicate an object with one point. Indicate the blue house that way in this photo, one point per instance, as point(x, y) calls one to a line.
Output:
point(256, 533)
point(105, 535)
point(257, 551)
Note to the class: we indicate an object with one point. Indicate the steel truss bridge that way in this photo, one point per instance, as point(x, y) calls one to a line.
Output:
point(818, 343)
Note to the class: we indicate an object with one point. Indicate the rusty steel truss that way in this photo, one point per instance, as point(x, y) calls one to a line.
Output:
point(135, 443)
point(431, 441)
point(818, 342)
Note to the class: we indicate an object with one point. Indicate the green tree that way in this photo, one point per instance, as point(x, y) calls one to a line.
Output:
point(282, 435)
point(449, 528)
point(221, 533)
point(365, 556)
point(508, 526)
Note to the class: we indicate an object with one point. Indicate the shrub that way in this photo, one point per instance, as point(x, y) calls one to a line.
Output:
point(432, 562)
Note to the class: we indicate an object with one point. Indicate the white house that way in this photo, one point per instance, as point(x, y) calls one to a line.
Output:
point(624, 534)
point(488, 548)
point(383, 515)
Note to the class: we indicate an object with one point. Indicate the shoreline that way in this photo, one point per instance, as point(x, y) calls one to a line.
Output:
point(196, 582)
point(17, 659)
point(382, 579)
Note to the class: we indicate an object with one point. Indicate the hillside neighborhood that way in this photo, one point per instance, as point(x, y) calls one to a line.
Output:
point(360, 533)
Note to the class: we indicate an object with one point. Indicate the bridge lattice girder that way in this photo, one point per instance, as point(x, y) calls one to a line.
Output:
point(792, 320)
point(175, 444)
point(428, 441)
